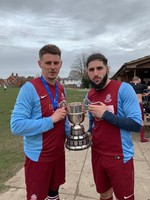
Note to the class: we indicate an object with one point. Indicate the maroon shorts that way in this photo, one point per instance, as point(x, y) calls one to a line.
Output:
point(113, 172)
point(40, 176)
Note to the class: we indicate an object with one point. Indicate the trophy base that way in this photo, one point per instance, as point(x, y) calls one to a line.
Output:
point(78, 142)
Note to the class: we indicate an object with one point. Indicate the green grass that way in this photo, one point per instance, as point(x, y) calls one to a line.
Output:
point(11, 147)
point(76, 95)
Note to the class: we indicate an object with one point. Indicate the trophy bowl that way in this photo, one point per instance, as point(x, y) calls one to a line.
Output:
point(75, 107)
point(76, 112)
point(76, 118)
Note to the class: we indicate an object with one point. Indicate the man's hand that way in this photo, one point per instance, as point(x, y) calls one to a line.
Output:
point(58, 115)
point(97, 110)
point(90, 136)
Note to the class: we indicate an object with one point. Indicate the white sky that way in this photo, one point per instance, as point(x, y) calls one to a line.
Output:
point(120, 29)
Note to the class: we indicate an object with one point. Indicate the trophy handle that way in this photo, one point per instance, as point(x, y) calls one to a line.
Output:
point(63, 104)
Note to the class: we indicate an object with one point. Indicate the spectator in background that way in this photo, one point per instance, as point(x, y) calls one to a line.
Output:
point(139, 90)
point(5, 88)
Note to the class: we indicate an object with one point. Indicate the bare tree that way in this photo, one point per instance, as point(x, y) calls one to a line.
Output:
point(78, 70)
point(79, 67)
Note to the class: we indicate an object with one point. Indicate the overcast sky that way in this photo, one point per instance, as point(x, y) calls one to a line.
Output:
point(120, 29)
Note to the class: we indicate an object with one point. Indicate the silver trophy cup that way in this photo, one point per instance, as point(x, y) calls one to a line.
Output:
point(78, 138)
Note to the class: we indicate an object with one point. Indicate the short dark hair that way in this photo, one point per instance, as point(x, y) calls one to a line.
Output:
point(51, 49)
point(135, 78)
point(96, 56)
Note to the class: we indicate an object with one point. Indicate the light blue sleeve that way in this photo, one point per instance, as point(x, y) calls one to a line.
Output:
point(67, 124)
point(91, 119)
point(128, 103)
point(26, 118)
point(67, 127)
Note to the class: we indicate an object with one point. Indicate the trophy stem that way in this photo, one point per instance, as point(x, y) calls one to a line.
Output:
point(78, 139)
point(78, 142)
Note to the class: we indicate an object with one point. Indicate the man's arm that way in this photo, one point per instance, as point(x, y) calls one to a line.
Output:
point(130, 118)
point(24, 122)
point(123, 123)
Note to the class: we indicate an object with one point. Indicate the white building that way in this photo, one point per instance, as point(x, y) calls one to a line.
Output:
point(71, 82)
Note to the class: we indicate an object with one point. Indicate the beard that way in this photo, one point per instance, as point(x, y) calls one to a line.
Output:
point(100, 85)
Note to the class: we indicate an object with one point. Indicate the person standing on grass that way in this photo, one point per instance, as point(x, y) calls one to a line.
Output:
point(114, 113)
point(5, 88)
point(44, 125)
point(139, 89)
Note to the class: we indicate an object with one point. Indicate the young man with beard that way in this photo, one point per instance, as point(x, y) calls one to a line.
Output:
point(114, 112)
point(38, 117)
